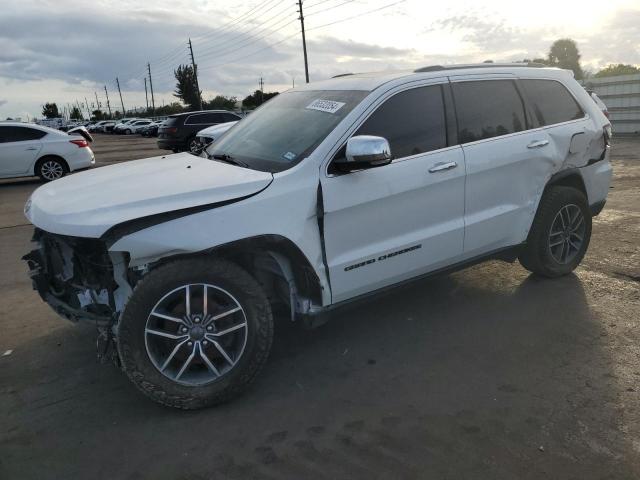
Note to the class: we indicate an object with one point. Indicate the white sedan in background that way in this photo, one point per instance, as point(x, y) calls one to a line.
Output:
point(209, 135)
point(135, 127)
point(27, 149)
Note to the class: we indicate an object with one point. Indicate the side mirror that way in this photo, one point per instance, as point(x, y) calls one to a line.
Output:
point(365, 151)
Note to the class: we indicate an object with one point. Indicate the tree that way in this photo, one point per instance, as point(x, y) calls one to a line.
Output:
point(50, 110)
point(186, 87)
point(613, 70)
point(564, 54)
point(170, 109)
point(75, 113)
point(256, 99)
point(220, 102)
point(98, 115)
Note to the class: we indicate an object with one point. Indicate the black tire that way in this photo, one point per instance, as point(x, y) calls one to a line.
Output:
point(127, 131)
point(538, 256)
point(51, 168)
point(154, 286)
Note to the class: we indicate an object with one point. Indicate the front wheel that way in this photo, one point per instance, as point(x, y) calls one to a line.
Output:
point(560, 233)
point(195, 332)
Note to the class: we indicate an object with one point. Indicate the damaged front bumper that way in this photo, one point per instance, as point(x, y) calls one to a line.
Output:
point(79, 278)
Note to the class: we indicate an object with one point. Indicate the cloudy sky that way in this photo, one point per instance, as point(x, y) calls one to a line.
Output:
point(67, 50)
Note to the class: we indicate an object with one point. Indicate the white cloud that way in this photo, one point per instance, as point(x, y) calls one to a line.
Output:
point(66, 51)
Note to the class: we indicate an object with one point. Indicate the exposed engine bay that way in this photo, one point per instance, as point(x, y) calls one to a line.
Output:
point(80, 279)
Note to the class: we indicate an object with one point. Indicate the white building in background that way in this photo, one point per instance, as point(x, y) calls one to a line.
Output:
point(621, 95)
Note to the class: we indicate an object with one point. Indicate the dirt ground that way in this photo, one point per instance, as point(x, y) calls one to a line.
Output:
point(486, 373)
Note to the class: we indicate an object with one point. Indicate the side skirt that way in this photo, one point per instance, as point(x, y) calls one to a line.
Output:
point(319, 316)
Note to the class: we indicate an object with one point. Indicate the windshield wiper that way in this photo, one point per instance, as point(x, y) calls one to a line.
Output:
point(229, 159)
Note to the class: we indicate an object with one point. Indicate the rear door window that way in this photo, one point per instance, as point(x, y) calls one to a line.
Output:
point(412, 121)
point(487, 109)
point(229, 117)
point(551, 102)
point(20, 134)
point(204, 119)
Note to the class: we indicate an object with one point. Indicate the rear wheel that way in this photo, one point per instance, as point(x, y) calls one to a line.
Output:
point(51, 168)
point(127, 131)
point(195, 333)
point(560, 233)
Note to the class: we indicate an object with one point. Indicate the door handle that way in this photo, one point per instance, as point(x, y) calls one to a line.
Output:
point(538, 143)
point(441, 167)
point(32, 148)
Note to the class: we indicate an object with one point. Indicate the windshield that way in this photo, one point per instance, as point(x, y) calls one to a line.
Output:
point(285, 129)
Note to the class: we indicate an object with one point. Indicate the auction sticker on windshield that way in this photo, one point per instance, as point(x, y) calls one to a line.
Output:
point(328, 106)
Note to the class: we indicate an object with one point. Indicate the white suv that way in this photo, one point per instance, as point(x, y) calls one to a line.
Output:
point(325, 194)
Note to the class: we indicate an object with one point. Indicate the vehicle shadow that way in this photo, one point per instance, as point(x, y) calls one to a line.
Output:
point(487, 373)
point(11, 182)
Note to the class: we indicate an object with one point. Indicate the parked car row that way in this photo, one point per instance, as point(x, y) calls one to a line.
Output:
point(179, 132)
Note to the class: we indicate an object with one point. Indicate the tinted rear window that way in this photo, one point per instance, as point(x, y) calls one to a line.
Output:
point(487, 109)
point(20, 134)
point(229, 117)
point(551, 101)
point(412, 121)
point(171, 121)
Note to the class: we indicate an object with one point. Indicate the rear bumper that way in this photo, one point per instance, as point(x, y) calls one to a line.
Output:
point(597, 207)
point(597, 179)
point(84, 158)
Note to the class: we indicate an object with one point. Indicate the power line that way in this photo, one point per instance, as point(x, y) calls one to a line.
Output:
point(244, 16)
point(252, 53)
point(240, 46)
point(262, 27)
point(318, 3)
point(330, 8)
point(357, 15)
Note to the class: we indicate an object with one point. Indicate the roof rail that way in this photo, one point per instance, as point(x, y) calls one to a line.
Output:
point(437, 68)
point(343, 75)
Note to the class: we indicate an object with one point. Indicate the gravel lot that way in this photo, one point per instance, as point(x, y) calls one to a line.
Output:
point(486, 373)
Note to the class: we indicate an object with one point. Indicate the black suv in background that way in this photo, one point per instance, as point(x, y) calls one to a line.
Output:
point(179, 131)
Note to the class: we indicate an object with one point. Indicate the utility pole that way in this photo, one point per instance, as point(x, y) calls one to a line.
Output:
point(261, 91)
point(153, 102)
point(146, 97)
point(108, 104)
point(304, 42)
point(80, 109)
point(195, 75)
point(120, 92)
point(88, 110)
point(97, 101)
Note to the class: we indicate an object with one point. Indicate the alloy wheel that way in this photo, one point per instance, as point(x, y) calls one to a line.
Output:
point(51, 170)
point(567, 234)
point(195, 334)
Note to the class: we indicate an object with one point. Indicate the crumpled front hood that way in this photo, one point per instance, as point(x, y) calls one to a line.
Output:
point(88, 204)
